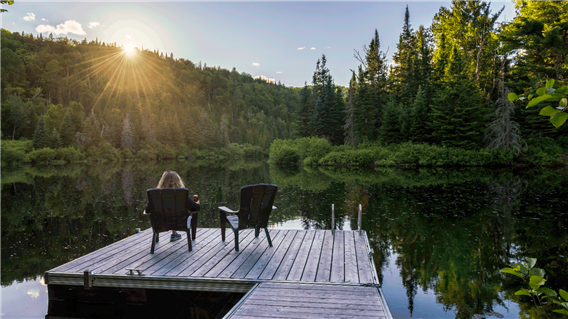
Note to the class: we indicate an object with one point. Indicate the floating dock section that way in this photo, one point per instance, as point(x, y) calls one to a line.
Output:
point(306, 274)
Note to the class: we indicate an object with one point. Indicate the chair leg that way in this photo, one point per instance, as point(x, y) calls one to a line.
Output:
point(189, 247)
point(268, 237)
point(194, 225)
point(223, 224)
point(155, 237)
point(236, 240)
point(256, 231)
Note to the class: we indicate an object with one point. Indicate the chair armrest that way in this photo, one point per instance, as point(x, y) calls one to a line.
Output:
point(273, 207)
point(145, 214)
point(227, 210)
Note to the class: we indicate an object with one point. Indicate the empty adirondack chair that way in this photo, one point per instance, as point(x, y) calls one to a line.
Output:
point(168, 209)
point(255, 207)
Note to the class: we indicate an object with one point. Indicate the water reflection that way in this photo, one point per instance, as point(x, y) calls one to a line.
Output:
point(442, 234)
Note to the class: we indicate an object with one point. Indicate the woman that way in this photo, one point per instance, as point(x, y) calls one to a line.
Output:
point(171, 179)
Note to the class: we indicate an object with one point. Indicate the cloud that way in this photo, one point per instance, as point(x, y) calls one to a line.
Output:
point(328, 47)
point(30, 17)
point(128, 36)
point(256, 64)
point(44, 19)
point(279, 72)
point(312, 48)
point(70, 26)
point(93, 25)
point(301, 48)
point(264, 78)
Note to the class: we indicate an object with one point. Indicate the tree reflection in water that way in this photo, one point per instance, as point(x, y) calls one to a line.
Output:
point(449, 231)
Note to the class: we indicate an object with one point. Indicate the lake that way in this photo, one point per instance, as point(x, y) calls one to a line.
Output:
point(439, 236)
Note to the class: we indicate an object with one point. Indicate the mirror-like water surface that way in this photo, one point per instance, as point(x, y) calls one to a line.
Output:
point(439, 236)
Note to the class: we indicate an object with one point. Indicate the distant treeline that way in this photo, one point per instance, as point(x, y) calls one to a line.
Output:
point(447, 86)
point(59, 92)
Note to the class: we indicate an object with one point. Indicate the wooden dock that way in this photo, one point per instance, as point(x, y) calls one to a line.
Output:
point(316, 260)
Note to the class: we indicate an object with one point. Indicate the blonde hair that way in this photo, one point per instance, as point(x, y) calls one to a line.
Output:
point(170, 179)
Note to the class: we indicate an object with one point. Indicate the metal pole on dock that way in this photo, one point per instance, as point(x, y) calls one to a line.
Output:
point(359, 219)
point(332, 216)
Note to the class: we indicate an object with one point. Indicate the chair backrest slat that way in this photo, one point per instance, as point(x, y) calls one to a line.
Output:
point(256, 205)
point(169, 208)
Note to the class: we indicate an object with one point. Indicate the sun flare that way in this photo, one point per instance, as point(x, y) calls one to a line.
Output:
point(129, 49)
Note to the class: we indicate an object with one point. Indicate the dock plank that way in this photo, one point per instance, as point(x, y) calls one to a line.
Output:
point(351, 269)
point(338, 259)
point(265, 258)
point(278, 256)
point(363, 261)
point(261, 247)
point(299, 263)
point(312, 263)
point(289, 258)
point(324, 266)
point(225, 256)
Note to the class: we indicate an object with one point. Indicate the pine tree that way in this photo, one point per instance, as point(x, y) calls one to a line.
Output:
point(348, 128)
point(420, 125)
point(54, 139)
point(306, 111)
point(458, 111)
point(67, 130)
point(41, 136)
point(364, 112)
point(403, 75)
point(376, 84)
point(390, 130)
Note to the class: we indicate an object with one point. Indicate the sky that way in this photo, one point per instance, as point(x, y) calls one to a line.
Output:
point(276, 40)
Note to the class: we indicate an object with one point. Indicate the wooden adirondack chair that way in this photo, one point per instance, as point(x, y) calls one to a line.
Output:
point(168, 209)
point(255, 207)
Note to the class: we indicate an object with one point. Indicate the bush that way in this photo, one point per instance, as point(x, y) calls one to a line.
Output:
point(126, 154)
point(14, 152)
point(44, 155)
point(146, 154)
point(69, 154)
point(287, 156)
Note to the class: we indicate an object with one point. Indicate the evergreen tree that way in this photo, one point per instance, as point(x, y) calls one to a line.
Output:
point(348, 128)
point(41, 136)
point(364, 111)
point(458, 111)
point(403, 75)
point(54, 139)
point(390, 130)
point(306, 111)
point(376, 82)
point(67, 130)
point(420, 130)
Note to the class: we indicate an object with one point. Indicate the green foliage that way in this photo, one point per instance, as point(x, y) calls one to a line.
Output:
point(534, 278)
point(42, 156)
point(286, 152)
point(69, 154)
point(14, 152)
point(557, 114)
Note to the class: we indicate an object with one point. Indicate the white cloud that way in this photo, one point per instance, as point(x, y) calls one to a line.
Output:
point(128, 36)
point(70, 26)
point(279, 72)
point(34, 293)
point(93, 24)
point(301, 48)
point(312, 48)
point(44, 19)
point(256, 64)
point(328, 47)
point(30, 17)
point(264, 78)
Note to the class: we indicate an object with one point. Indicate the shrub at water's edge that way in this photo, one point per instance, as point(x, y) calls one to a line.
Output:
point(20, 152)
point(313, 151)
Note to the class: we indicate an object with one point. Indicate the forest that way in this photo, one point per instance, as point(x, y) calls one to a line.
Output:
point(445, 91)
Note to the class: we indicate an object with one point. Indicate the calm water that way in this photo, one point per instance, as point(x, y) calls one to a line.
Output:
point(439, 236)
